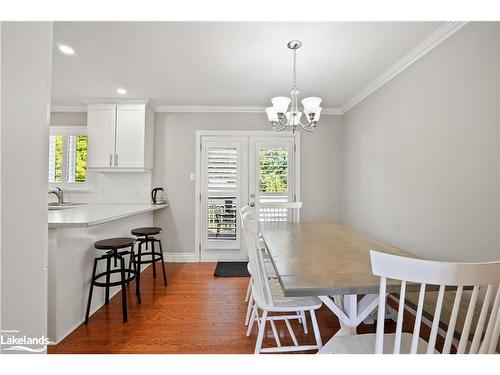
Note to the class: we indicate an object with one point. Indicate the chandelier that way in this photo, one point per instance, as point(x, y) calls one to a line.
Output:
point(284, 115)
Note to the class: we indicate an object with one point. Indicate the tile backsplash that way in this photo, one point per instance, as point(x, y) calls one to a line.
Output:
point(115, 187)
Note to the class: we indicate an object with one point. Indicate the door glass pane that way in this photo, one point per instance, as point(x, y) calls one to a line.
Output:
point(55, 158)
point(77, 158)
point(273, 183)
point(273, 170)
point(222, 186)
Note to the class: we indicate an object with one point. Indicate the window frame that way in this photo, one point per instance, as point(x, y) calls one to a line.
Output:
point(66, 132)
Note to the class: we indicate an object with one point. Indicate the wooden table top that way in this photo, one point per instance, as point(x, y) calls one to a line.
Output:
point(324, 258)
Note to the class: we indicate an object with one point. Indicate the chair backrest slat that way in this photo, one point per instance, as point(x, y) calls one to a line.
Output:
point(482, 319)
point(496, 333)
point(489, 329)
point(418, 319)
point(399, 324)
point(442, 274)
point(464, 339)
point(280, 212)
point(435, 320)
point(379, 337)
point(453, 321)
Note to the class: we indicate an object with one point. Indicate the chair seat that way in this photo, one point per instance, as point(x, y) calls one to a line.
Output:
point(365, 344)
point(146, 231)
point(284, 304)
point(114, 243)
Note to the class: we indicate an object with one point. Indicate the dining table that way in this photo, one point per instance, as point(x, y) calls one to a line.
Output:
point(330, 261)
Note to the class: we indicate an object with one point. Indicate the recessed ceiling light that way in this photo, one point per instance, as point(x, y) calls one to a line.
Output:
point(67, 50)
point(121, 91)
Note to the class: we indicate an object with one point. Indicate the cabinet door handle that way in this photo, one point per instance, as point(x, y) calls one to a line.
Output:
point(110, 160)
point(116, 160)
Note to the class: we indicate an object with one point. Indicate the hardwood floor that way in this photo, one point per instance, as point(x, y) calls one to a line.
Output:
point(195, 313)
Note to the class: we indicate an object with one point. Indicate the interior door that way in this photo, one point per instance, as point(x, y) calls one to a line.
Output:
point(224, 185)
point(272, 171)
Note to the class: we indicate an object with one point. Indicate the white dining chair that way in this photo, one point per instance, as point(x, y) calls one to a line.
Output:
point(268, 297)
point(278, 212)
point(268, 265)
point(463, 277)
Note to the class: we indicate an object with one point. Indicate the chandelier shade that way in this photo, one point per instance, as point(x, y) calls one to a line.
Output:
point(272, 115)
point(285, 113)
point(281, 103)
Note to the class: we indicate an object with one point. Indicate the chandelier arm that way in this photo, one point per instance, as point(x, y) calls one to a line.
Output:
point(283, 123)
point(283, 127)
point(308, 129)
point(308, 124)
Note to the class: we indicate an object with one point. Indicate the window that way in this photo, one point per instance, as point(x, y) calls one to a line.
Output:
point(68, 157)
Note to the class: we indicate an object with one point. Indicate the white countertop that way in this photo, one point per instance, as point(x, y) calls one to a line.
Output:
point(97, 213)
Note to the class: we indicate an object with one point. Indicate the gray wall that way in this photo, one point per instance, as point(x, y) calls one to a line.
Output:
point(26, 76)
point(174, 160)
point(68, 119)
point(420, 160)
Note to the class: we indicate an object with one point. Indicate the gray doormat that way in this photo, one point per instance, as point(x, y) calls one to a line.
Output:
point(231, 269)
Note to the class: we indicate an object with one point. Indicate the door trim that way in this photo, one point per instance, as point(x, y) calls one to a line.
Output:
point(232, 133)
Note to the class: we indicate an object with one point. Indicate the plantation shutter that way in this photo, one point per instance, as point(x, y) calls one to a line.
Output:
point(222, 191)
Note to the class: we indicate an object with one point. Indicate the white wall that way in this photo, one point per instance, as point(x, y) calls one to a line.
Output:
point(108, 187)
point(174, 159)
point(420, 160)
point(26, 78)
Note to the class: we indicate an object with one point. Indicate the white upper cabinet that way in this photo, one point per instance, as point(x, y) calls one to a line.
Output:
point(120, 137)
point(101, 126)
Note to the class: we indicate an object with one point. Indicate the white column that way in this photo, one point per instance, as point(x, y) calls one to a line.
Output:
point(26, 70)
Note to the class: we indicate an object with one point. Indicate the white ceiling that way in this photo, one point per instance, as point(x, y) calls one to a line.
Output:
point(226, 64)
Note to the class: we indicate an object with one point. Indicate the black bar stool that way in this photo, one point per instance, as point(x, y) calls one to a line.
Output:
point(112, 245)
point(146, 236)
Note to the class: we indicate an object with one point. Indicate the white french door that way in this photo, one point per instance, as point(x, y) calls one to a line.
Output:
point(272, 171)
point(235, 169)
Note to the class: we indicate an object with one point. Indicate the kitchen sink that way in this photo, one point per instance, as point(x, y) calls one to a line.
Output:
point(63, 206)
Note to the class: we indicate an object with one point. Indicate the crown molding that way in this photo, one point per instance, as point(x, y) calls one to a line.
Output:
point(427, 45)
point(182, 108)
point(209, 108)
point(227, 109)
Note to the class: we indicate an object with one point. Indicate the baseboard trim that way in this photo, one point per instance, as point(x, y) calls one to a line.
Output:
point(180, 257)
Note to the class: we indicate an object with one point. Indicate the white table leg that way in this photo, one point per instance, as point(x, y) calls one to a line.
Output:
point(349, 311)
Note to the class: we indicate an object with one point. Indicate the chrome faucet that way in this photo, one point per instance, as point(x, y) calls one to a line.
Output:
point(59, 194)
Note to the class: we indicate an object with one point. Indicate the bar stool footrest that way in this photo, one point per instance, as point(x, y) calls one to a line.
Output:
point(114, 283)
point(155, 257)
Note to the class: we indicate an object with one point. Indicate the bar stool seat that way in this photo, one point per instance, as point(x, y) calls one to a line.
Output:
point(146, 231)
point(114, 243)
point(145, 235)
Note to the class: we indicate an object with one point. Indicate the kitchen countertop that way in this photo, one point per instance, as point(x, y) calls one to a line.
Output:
point(97, 213)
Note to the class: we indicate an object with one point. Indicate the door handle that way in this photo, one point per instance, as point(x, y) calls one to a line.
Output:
point(252, 195)
point(252, 204)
